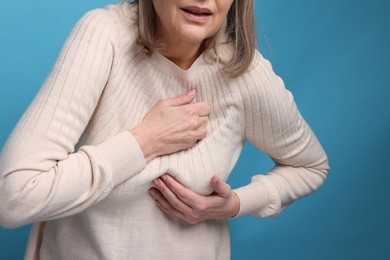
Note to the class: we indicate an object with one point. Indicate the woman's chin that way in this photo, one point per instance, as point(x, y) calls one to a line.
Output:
point(195, 37)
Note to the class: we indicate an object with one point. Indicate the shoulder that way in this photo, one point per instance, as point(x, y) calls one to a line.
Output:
point(123, 13)
point(260, 66)
point(262, 76)
point(262, 87)
point(114, 18)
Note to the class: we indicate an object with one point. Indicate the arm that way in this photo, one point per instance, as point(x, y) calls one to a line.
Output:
point(275, 126)
point(41, 176)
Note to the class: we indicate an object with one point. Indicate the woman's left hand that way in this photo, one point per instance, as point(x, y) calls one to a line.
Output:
point(176, 200)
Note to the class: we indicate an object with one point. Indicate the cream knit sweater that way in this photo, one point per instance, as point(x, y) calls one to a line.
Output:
point(71, 167)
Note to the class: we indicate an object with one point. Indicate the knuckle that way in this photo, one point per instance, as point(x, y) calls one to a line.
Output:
point(202, 132)
point(194, 137)
point(194, 123)
point(182, 194)
point(189, 110)
point(162, 189)
point(192, 220)
point(199, 136)
point(187, 144)
point(188, 140)
point(205, 107)
point(175, 204)
point(204, 120)
point(200, 207)
point(195, 216)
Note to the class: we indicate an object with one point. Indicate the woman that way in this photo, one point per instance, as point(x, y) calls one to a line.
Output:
point(125, 151)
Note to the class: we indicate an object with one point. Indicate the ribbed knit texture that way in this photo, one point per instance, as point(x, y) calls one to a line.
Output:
point(72, 167)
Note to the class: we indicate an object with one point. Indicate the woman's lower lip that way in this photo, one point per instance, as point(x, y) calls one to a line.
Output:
point(197, 18)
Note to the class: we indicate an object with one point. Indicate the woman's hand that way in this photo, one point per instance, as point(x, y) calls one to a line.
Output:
point(172, 125)
point(177, 201)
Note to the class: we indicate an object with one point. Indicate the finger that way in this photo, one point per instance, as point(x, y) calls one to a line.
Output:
point(201, 109)
point(171, 197)
point(186, 195)
point(201, 133)
point(203, 121)
point(183, 99)
point(164, 205)
point(196, 123)
point(220, 187)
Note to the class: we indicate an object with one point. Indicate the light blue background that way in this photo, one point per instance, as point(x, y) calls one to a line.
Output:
point(333, 55)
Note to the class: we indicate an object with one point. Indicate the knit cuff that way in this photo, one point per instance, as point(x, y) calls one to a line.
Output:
point(258, 199)
point(123, 155)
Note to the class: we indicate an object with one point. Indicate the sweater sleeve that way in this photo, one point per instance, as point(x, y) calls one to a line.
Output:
point(275, 126)
point(42, 177)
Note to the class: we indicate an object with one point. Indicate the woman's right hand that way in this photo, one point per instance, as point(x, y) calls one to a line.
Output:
point(172, 125)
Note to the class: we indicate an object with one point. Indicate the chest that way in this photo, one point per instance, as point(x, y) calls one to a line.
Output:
point(129, 96)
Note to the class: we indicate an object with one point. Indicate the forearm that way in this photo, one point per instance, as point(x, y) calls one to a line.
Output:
point(301, 168)
point(41, 176)
point(267, 195)
point(48, 188)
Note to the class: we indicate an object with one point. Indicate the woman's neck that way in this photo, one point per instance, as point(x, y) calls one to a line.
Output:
point(183, 54)
point(183, 59)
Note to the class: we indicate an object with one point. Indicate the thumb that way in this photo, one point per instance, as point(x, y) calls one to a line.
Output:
point(183, 99)
point(221, 188)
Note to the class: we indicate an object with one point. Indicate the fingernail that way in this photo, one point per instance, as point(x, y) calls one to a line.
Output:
point(152, 192)
point(155, 182)
point(164, 177)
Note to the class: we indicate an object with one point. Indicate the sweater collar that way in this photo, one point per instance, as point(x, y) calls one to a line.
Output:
point(201, 64)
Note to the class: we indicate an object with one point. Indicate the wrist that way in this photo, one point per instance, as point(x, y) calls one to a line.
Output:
point(144, 140)
point(235, 205)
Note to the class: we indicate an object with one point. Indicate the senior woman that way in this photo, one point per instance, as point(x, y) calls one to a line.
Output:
point(125, 150)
